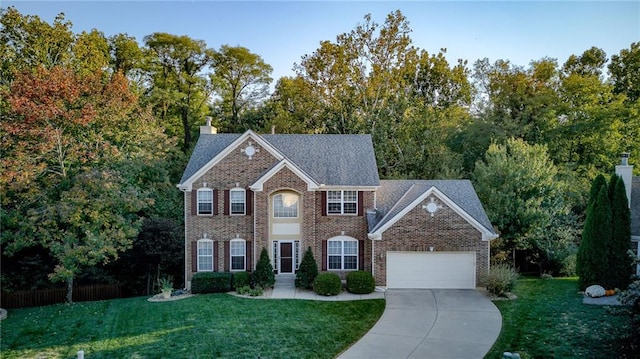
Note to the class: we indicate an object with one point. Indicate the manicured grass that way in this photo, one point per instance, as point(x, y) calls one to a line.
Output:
point(548, 320)
point(204, 326)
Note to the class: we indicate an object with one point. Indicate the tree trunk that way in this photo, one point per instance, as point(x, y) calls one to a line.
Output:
point(70, 290)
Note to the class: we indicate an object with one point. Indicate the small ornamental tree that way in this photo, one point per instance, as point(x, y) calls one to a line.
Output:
point(308, 270)
point(592, 262)
point(263, 276)
point(620, 264)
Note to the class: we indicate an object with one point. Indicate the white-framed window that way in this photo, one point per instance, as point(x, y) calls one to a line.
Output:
point(285, 205)
point(237, 199)
point(205, 255)
point(342, 253)
point(205, 201)
point(238, 249)
point(342, 202)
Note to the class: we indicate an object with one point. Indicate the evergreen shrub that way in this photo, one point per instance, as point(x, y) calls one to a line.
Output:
point(360, 282)
point(327, 284)
point(241, 279)
point(307, 271)
point(263, 276)
point(211, 282)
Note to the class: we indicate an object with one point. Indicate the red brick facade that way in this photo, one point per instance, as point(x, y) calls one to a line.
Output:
point(415, 231)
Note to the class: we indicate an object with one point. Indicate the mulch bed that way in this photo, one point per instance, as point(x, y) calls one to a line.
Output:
point(608, 300)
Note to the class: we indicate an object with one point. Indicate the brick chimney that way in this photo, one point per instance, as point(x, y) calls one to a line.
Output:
point(208, 129)
point(625, 171)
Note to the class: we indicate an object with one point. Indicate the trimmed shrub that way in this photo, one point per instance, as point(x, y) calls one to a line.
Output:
point(211, 282)
point(263, 276)
point(360, 282)
point(327, 284)
point(501, 280)
point(241, 279)
point(307, 272)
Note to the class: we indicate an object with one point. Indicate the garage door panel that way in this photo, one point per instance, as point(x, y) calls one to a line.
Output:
point(446, 270)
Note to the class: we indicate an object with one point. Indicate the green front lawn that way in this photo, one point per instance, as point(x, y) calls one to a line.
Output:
point(548, 320)
point(205, 326)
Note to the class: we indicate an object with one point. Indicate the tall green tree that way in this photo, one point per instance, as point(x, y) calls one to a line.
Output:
point(241, 79)
point(180, 89)
point(592, 262)
point(620, 266)
point(524, 197)
point(625, 72)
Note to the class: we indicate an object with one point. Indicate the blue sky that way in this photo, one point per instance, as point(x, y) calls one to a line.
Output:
point(283, 31)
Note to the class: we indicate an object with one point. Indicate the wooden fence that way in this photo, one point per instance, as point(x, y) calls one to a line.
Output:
point(40, 297)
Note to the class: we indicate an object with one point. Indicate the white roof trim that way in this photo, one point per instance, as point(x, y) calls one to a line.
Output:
point(487, 235)
point(258, 185)
point(186, 185)
point(324, 187)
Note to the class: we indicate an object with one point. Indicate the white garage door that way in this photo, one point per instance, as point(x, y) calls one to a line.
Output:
point(451, 270)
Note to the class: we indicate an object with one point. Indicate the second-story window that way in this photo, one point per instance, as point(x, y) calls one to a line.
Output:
point(342, 202)
point(238, 199)
point(285, 205)
point(205, 201)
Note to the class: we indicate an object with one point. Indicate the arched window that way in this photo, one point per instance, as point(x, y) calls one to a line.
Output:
point(285, 205)
point(205, 255)
point(238, 254)
point(238, 198)
point(342, 253)
point(205, 201)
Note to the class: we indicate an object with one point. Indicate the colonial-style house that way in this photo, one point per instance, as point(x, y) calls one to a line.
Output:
point(632, 185)
point(286, 193)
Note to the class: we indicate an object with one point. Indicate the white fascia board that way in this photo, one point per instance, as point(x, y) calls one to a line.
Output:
point(232, 147)
point(635, 239)
point(486, 234)
point(324, 187)
point(258, 186)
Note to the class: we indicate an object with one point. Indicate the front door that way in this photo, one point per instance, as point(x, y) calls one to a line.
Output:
point(286, 257)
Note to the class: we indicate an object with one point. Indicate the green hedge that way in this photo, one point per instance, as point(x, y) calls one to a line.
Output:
point(360, 282)
point(327, 284)
point(241, 279)
point(211, 282)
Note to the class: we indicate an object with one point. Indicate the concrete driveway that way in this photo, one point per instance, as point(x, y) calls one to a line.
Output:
point(431, 323)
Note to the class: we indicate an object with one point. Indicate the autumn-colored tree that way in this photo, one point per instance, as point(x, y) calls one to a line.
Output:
point(61, 189)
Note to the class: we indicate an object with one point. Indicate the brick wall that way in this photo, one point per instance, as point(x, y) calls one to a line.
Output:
point(417, 231)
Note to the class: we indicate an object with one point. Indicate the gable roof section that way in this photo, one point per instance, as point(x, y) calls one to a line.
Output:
point(259, 183)
point(331, 160)
point(635, 207)
point(397, 197)
point(211, 148)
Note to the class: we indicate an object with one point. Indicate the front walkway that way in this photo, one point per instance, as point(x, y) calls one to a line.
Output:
point(285, 289)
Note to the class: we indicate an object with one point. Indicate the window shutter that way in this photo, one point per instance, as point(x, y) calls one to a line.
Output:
point(324, 202)
point(194, 202)
point(215, 202)
point(194, 256)
point(249, 253)
point(249, 202)
point(226, 203)
point(324, 255)
point(215, 256)
point(361, 255)
point(360, 204)
point(227, 255)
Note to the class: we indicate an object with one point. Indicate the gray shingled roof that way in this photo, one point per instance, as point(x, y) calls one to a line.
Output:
point(395, 195)
point(635, 206)
point(333, 160)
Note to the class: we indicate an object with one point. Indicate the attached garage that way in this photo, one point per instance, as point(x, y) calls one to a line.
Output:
point(431, 270)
